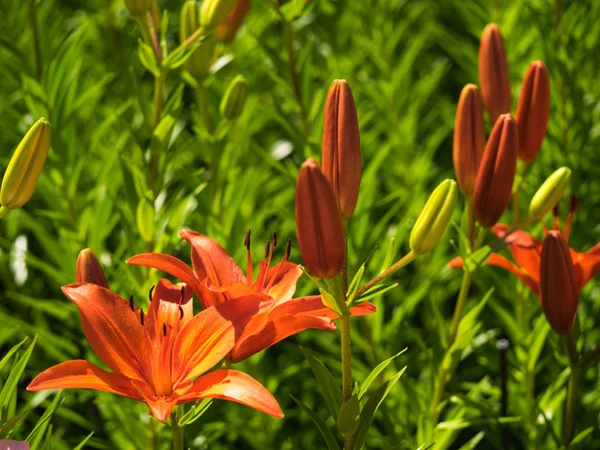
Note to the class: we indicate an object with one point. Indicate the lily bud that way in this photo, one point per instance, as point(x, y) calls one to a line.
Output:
point(558, 285)
point(550, 193)
point(434, 218)
point(234, 99)
point(25, 166)
point(533, 110)
point(493, 186)
point(493, 73)
point(199, 62)
point(341, 146)
point(214, 12)
point(469, 138)
point(318, 223)
point(89, 269)
point(227, 30)
point(138, 7)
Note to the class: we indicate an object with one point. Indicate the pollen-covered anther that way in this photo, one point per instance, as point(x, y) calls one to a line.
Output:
point(142, 316)
point(131, 305)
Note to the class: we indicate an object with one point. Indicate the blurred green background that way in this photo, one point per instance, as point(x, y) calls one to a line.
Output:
point(406, 62)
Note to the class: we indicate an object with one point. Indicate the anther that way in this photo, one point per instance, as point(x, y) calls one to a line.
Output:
point(267, 250)
point(142, 316)
point(274, 239)
point(556, 211)
point(574, 204)
point(180, 312)
point(164, 329)
point(131, 303)
point(288, 250)
point(182, 295)
point(247, 240)
point(151, 293)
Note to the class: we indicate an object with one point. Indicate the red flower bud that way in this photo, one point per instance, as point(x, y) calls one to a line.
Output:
point(493, 73)
point(493, 186)
point(533, 110)
point(469, 138)
point(228, 29)
point(318, 223)
point(341, 146)
point(89, 269)
point(558, 285)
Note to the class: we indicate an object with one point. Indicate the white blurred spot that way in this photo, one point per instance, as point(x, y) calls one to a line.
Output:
point(281, 149)
point(17, 263)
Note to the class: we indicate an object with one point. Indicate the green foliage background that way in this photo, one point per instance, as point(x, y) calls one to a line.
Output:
point(406, 62)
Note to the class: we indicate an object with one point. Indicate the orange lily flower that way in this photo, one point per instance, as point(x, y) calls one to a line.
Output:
point(217, 279)
point(158, 358)
point(527, 252)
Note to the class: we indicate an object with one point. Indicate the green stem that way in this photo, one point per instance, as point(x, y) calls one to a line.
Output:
point(178, 431)
point(203, 107)
point(346, 369)
point(572, 388)
point(159, 93)
point(470, 222)
point(443, 375)
point(37, 48)
point(406, 259)
point(3, 211)
point(460, 306)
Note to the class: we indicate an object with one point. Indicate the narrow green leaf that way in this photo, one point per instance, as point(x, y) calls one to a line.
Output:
point(195, 412)
point(329, 387)
point(348, 418)
point(82, 443)
point(13, 379)
point(368, 412)
point(375, 373)
point(321, 425)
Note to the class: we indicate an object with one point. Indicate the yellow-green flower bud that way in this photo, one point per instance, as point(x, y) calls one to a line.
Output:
point(550, 193)
point(214, 12)
point(25, 166)
point(434, 218)
point(234, 99)
point(199, 62)
point(138, 7)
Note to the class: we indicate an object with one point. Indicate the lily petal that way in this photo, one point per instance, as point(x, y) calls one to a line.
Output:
point(170, 305)
point(235, 386)
point(80, 374)
point(586, 266)
point(314, 306)
point(283, 285)
point(211, 261)
point(114, 331)
point(210, 336)
point(277, 329)
point(169, 264)
point(500, 261)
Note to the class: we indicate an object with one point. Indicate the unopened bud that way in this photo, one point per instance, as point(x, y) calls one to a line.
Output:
point(199, 62)
point(227, 30)
point(214, 12)
point(234, 99)
point(318, 223)
point(25, 166)
point(493, 186)
point(434, 218)
point(341, 146)
point(559, 290)
point(493, 73)
point(89, 269)
point(533, 110)
point(550, 193)
point(138, 7)
point(469, 138)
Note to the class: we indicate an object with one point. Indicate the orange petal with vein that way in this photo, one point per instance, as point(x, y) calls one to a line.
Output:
point(237, 387)
point(80, 374)
point(113, 330)
point(169, 264)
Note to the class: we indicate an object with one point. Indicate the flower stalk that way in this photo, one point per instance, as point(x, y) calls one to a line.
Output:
point(178, 431)
point(571, 401)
